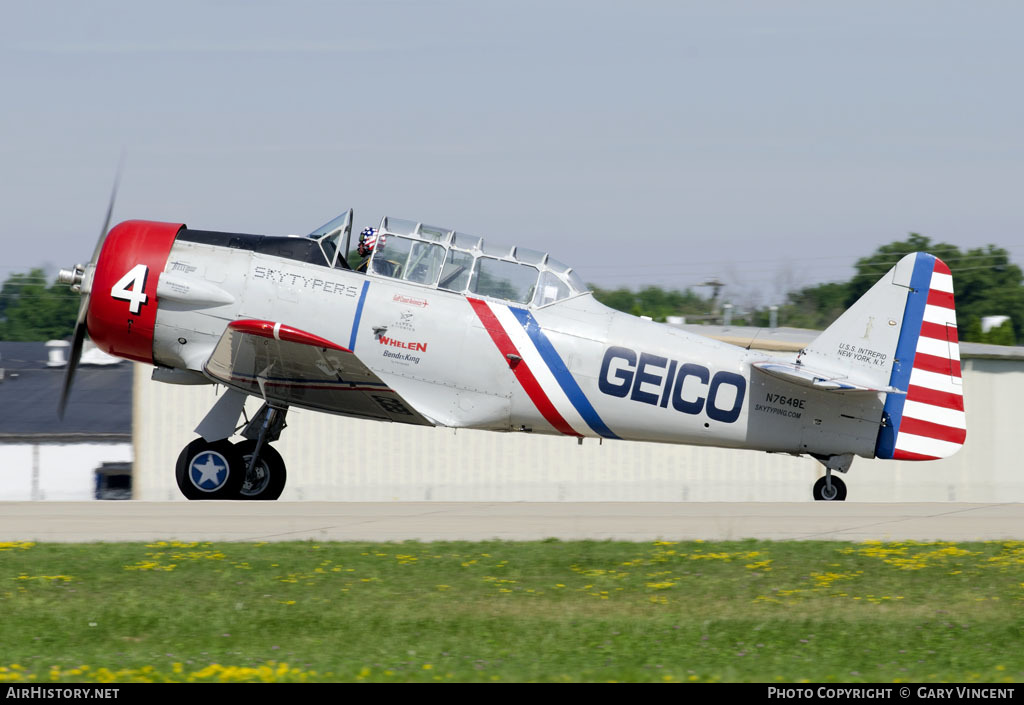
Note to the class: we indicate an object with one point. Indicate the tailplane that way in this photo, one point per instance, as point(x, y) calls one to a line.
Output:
point(900, 338)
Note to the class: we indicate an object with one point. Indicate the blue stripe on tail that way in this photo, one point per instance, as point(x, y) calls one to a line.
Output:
point(906, 350)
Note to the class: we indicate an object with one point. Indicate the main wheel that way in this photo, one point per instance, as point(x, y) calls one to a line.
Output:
point(838, 493)
point(267, 479)
point(209, 470)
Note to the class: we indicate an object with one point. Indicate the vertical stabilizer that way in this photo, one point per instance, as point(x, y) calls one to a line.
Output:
point(861, 344)
point(928, 422)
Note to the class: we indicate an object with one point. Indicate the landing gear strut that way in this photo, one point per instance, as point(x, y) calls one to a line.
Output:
point(265, 474)
point(249, 469)
point(264, 478)
point(830, 488)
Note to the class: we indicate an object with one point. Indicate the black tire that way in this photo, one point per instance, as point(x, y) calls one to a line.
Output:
point(838, 490)
point(269, 474)
point(209, 470)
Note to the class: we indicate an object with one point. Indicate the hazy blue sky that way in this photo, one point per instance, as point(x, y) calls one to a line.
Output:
point(767, 143)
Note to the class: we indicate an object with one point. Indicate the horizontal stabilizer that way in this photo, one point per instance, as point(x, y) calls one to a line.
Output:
point(805, 377)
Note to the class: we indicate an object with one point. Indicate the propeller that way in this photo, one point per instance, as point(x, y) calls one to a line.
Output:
point(80, 279)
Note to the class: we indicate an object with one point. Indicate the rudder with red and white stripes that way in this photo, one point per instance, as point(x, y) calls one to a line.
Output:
point(928, 422)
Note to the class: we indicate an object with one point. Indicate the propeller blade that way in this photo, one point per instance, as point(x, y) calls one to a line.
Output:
point(73, 357)
point(110, 211)
point(78, 340)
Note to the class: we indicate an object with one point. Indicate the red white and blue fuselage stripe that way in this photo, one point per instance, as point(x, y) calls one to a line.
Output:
point(929, 421)
point(540, 370)
point(561, 373)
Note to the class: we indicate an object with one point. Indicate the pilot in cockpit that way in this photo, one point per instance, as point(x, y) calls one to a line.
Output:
point(367, 241)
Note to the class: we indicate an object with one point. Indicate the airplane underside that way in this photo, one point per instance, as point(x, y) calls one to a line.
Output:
point(212, 467)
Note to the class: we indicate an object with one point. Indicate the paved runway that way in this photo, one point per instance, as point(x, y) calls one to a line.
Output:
point(443, 521)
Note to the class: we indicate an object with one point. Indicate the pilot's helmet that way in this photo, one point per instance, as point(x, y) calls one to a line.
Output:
point(367, 241)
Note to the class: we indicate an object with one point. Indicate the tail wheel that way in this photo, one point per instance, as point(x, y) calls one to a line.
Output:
point(209, 470)
point(268, 477)
point(824, 494)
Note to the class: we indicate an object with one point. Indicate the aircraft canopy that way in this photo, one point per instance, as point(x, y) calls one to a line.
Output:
point(454, 261)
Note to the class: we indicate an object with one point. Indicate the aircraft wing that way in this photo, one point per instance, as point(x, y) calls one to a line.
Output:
point(817, 379)
point(290, 366)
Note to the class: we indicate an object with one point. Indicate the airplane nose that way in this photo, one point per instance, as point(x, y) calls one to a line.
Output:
point(122, 307)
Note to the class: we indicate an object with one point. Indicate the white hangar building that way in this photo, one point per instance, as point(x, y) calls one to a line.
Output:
point(342, 459)
point(86, 455)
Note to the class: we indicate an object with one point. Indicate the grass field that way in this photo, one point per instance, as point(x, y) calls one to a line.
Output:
point(496, 611)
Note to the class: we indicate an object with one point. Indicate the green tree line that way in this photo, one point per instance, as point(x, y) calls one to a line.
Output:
point(985, 281)
point(32, 309)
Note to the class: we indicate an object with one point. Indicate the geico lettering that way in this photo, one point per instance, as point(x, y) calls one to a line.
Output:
point(653, 379)
point(645, 377)
point(738, 385)
point(622, 373)
point(689, 370)
point(668, 383)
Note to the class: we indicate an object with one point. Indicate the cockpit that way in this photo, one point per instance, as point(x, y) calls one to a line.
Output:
point(441, 258)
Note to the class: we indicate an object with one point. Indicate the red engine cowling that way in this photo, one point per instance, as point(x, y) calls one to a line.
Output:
point(122, 303)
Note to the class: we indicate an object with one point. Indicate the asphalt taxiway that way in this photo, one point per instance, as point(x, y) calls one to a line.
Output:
point(111, 521)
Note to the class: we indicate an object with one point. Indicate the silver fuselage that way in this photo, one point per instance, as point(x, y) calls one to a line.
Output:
point(573, 367)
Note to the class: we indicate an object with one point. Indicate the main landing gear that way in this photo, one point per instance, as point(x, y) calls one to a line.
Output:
point(831, 488)
point(250, 469)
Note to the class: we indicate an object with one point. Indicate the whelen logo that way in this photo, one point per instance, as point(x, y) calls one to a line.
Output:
point(384, 340)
